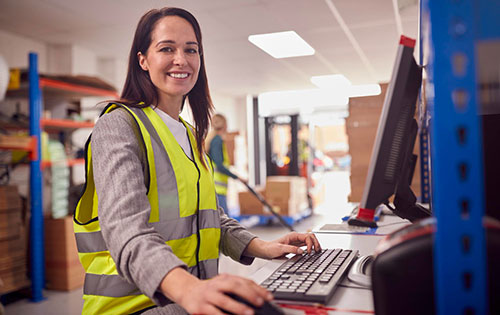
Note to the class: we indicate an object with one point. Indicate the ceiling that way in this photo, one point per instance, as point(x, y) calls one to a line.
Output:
point(356, 38)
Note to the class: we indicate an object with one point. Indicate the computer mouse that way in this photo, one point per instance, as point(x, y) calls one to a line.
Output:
point(268, 308)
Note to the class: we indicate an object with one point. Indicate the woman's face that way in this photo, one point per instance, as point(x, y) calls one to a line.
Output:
point(173, 58)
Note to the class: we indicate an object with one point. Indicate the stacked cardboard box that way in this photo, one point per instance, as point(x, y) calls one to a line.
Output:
point(361, 127)
point(13, 265)
point(249, 204)
point(287, 194)
point(62, 267)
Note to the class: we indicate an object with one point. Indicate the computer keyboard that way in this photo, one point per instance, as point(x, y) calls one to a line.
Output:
point(310, 277)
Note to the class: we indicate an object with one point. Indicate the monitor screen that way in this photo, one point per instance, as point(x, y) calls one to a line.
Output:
point(392, 161)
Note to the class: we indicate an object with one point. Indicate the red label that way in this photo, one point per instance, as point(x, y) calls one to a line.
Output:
point(407, 41)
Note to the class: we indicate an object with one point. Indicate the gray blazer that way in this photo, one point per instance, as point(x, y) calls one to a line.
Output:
point(140, 254)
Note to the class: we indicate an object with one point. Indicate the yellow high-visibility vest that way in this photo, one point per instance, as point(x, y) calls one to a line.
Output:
point(184, 214)
point(222, 179)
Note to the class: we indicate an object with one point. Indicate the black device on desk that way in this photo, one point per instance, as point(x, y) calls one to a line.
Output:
point(392, 161)
point(403, 273)
point(268, 308)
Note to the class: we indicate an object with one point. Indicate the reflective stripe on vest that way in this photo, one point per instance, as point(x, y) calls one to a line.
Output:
point(175, 214)
point(220, 178)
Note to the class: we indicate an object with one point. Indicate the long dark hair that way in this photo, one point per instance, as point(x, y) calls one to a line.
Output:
point(139, 87)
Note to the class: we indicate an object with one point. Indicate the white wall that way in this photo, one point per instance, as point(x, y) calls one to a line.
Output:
point(59, 59)
point(15, 50)
point(84, 61)
point(234, 109)
point(113, 71)
point(64, 59)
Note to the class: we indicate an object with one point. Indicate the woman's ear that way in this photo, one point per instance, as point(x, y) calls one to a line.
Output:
point(142, 61)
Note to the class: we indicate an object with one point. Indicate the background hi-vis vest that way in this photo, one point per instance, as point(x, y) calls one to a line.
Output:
point(221, 179)
point(183, 211)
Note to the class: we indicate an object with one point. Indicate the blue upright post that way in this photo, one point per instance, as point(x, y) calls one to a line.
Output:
point(458, 197)
point(36, 220)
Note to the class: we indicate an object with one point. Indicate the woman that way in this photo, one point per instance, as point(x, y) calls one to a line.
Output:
point(147, 227)
point(218, 153)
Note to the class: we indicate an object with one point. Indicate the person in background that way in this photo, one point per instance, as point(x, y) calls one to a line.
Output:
point(148, 230)
point(217, 151)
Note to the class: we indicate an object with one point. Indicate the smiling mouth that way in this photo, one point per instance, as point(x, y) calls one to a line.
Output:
point(178, 75)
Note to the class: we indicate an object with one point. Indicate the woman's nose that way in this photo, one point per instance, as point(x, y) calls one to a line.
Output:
point(180, 58)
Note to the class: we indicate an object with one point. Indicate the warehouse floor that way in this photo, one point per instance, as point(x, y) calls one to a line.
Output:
point(337, 188)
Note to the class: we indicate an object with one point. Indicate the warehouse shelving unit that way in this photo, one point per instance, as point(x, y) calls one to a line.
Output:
point(36, 87)
point(451, 31)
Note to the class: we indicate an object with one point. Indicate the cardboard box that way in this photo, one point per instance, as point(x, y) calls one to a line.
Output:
point(287, 207)
point(13, 266)
point(9, 198)
point(10, 224)
point(249, 204)
point(13, 246)
point(13, 262)
point(62, 266)
point(291, 186)
point(287, 193)
point(13, 278)
point(361, 128)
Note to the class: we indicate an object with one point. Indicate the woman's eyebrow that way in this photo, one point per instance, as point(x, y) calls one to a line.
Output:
point(169, 41)
point(166, 41)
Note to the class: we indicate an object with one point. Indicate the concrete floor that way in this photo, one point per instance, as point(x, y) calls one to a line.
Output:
point(337, 188)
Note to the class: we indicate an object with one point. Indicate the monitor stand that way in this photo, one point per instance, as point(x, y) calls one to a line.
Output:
point(361, 219)
point(405, 202)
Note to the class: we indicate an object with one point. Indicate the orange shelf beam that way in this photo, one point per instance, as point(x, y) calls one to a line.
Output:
point(26, 143)
point(65, 123)
point(69, 162)
point(45, 82)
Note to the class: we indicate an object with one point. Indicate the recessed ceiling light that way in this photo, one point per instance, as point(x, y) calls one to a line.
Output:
point(364, 90)
point(299, 101)
point(332, 81)
point(337, 83)
point(282, 44)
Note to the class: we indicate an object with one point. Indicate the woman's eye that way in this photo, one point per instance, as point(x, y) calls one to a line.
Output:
point(166, 49)
point(191, 51)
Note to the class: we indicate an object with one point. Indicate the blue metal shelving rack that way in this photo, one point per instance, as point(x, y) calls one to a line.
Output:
point(451, 30)
point(37, 261)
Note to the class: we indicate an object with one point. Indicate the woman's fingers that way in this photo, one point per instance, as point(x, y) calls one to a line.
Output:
point(317, 246)
point(309, 243)
point(301, 239)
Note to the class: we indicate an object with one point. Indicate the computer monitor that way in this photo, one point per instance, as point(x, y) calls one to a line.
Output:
point(392, 161)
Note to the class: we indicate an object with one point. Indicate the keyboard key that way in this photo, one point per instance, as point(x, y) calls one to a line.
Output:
point(285, 290)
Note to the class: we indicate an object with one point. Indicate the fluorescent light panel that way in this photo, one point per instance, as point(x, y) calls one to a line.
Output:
point(337, 83)
point(282, 44)
point(364, 90)
point(303, 101)
point(333, 81)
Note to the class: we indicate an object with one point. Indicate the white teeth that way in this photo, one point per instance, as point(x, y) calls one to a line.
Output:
point(178, 75)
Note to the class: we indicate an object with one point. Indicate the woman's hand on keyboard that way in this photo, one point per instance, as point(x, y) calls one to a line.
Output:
point(287, 244)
